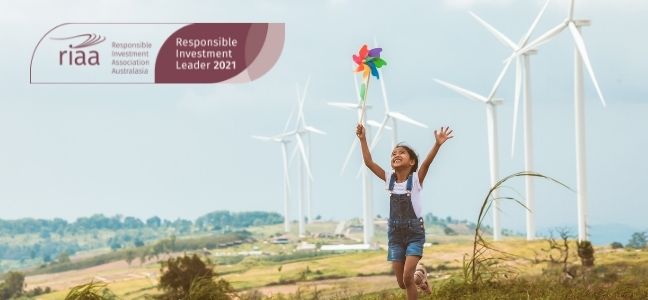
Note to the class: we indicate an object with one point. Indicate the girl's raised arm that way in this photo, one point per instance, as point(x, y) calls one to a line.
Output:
point(366, 155)
point(441, 136)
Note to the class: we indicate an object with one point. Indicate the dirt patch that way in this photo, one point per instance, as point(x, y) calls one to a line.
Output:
point(342, 285)
point(110, 272)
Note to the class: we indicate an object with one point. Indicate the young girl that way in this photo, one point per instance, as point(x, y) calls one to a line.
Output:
point(406, 233)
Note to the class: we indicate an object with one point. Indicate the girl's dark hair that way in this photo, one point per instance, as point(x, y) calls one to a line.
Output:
point(411, 153)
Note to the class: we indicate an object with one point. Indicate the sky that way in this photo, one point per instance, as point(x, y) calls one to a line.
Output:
point(184, 150)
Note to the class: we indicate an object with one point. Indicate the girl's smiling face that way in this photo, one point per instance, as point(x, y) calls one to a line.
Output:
point(401, 158)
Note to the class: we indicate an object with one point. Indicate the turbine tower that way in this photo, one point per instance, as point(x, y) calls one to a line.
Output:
point(580, 57)
point(493, 154)
point(522, 82)
point(286, 180)
point(302, 130)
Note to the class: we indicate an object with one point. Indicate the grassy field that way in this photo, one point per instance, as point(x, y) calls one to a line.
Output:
point(281, 271)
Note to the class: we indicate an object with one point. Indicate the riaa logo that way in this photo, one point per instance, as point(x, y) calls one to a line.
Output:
point(76, 54)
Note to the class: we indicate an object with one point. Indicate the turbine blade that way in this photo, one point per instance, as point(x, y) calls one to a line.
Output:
point(293, 154)
point(283, 135)
point(498, 35)
point(292, 112)
point(302, 150)
point(499, 80)
point(580, 45)
point(315, 130)
point(516, 102)
point(344, 105)
point(373, 123)
point(379, 132)
point(348, 156)
point(406, 119)
point(303, 100)
point(571, 10)
point(525, 39)
point(466, 93)
point(303, 97)
point(300, 110)
point(544, 38)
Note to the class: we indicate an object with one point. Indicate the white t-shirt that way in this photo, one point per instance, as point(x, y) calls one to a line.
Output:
point(401, 188)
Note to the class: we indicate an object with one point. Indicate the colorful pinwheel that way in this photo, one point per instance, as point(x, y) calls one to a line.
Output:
point(368, 62)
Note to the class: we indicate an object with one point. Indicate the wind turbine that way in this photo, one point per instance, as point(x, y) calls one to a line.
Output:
point(493, 154)
point(522, 78)
point(367, 203)
point(286, 177)
point(580, 57)
point(302, 130)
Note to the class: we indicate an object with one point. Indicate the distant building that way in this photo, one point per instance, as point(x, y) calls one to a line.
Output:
point(280, 240)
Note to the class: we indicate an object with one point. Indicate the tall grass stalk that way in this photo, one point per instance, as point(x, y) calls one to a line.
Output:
point(487, 263)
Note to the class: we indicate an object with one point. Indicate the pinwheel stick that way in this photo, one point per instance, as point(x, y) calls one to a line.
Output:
point(364, 100)
point(368, 62)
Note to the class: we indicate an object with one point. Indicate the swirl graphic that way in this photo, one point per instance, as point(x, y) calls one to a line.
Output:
point(91, 39)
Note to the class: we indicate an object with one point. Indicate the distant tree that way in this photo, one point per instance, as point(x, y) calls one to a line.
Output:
point(37, 291)
point(143, 255)
point(153, 222)
point(179, 274)
point(138, 242)
point(182, 225)
point(126, 237)
point(47, 258)
point(638, 240)
point(431, 219)
point(586, 253)
point(13, 285)
point(206, 288)
point(63, 257)
point(449, 231)
point(224, 218)
point(115, 245)
point(616, 245)
point(318, 217)
point(45, 234)
point(130, 256)
point(133, 223)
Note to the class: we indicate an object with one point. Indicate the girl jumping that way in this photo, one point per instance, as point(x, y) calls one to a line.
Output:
point(406, 231)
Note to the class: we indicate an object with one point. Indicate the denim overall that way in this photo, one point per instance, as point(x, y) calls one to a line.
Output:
point(406, 232)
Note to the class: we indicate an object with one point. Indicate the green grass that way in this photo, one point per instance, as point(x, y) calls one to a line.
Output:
point(617, 270)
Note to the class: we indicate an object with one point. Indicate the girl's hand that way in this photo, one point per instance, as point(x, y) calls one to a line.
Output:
point(360, 131)
point(443, 135)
